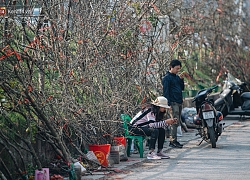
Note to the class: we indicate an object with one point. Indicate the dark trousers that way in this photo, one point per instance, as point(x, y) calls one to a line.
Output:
point(154, 133)
point(176, 113)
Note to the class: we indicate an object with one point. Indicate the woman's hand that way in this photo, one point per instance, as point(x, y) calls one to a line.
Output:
point(171, 120)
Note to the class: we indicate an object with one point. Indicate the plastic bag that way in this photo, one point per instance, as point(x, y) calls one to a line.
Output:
point(179, 131)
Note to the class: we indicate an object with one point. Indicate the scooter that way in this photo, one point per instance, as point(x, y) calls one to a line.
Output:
point(233, 100)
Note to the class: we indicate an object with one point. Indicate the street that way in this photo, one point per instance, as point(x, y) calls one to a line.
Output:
point(229, 160)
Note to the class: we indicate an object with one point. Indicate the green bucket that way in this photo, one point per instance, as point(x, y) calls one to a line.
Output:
point(192, 93)
point(184, 94)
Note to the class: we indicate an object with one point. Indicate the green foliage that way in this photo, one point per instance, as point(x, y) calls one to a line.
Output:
point(31, 169)
point(1, 94)
point(203, 75)
point(153, 19)
point(199, 78)
point(136, 6)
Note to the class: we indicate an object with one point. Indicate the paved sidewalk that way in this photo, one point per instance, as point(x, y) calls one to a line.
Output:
point(134, 158)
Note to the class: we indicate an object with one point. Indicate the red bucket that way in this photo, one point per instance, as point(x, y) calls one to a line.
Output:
point(120, 141)
point(101, 152)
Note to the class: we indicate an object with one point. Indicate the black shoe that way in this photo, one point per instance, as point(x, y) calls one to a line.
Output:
point(179, 143)
point(175, 145)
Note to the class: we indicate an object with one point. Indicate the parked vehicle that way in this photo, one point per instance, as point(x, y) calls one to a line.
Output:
point(208, 119)
point(234, 98)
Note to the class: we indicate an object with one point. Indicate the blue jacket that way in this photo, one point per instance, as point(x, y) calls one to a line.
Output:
point(172, 88)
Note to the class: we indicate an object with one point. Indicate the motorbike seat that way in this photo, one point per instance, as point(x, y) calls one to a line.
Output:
point(245, 96)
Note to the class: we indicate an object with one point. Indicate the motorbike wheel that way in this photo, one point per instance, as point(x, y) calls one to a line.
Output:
point(212, 137)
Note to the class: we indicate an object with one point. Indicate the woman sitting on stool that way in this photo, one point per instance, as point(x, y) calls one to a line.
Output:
point(152, 124)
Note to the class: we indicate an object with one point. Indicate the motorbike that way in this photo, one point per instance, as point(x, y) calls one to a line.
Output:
point(208, 119)
point(234, 98)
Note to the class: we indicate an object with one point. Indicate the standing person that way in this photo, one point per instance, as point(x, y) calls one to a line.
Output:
point(172, 90)
point(152, 124)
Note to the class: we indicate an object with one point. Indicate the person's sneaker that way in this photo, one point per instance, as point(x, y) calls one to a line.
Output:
point(179, 143)
point(152, 155)
point(175, 145)
point(162, 155)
